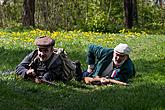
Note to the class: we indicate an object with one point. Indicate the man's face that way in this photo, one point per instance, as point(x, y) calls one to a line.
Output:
point(119, 58)
point(44, 53)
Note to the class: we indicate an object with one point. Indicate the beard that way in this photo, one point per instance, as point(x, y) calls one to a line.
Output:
point(118, 63)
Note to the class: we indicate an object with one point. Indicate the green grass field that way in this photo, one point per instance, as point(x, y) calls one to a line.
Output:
point(146, 90)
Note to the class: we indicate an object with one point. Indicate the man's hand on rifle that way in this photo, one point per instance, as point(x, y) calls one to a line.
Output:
point(38, 80)
point(31, 73)
point(103, 80)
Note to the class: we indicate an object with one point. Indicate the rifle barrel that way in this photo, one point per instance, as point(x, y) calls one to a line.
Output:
point(88, 80)
point(118, 82)
point(48, 82)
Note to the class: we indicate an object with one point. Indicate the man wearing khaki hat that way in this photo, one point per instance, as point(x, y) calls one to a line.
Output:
point(109, 63)
point(42, 63)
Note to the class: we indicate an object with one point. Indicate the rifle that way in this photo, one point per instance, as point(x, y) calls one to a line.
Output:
point(38, 79)
point(48, 82)
point(103, 80)
point(41, 80)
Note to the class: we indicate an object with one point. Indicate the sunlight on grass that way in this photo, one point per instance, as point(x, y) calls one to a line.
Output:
point(146, 90)
point(63, 39)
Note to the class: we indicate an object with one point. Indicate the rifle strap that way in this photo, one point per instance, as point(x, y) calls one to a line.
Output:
point(34, 57)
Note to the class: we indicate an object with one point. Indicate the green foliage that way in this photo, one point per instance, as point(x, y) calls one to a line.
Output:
point(96, 20)
point(85, 15)
point(11, 14)
point(151, 17)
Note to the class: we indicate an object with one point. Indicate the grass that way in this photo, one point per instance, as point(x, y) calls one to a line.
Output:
point(146, 90)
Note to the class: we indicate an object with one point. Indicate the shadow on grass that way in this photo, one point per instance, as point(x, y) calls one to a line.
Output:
point(76, 96)
point(10, 58)
point(27, 95)
point(79, 55)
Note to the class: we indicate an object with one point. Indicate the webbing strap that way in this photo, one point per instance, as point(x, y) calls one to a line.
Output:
point(56, 55)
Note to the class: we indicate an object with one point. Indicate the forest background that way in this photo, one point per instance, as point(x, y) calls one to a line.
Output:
point(75, 24)
point(85, 15)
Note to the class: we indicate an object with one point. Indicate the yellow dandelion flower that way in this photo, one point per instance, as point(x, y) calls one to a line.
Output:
point(55, 34)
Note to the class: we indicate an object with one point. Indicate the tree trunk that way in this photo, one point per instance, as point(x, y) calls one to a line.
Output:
point(109, 11)
point(44, 8)
point(28, 13)
point(1, 16)
point(135, 13)
point(128, 13)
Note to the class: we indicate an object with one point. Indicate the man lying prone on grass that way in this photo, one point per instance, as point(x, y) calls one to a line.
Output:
point(42, 65)
point(107, 65)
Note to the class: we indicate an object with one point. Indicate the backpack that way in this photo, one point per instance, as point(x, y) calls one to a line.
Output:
point(71, 69)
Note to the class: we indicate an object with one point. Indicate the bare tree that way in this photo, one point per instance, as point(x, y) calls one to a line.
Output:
point(28, 13)
point(128, 13)
point(130, 9)
point(135, 13)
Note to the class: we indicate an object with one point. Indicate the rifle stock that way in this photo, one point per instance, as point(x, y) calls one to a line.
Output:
point(89, 80)
point(41, 80)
